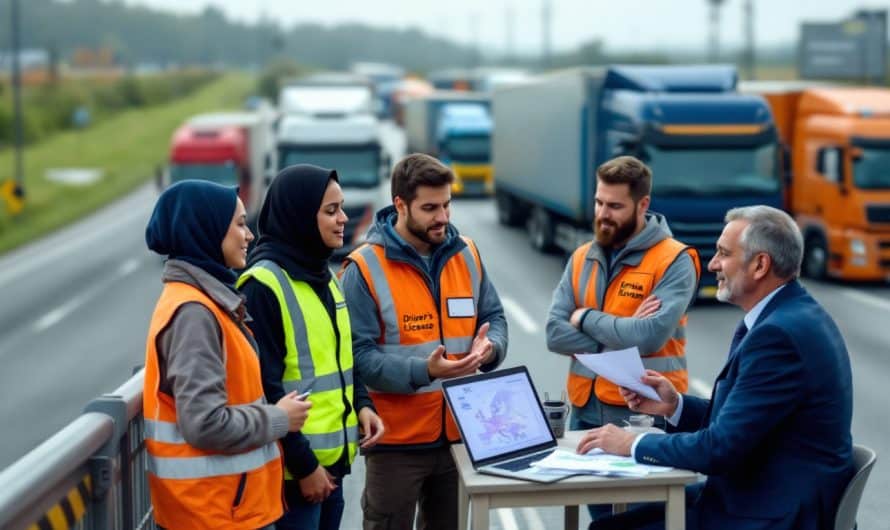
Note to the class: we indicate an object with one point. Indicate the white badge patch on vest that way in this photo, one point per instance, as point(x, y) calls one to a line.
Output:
point(461, 307)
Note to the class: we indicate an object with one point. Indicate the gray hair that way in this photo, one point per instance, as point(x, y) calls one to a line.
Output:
point(774, 233)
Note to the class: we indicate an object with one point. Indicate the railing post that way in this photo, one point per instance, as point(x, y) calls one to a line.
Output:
point(105, 466)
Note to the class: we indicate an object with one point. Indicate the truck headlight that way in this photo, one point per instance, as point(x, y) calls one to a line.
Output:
point(857, 246)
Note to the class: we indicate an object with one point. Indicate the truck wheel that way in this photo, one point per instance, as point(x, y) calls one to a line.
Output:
point(508, 213)
point(815, 257)
point(540, 230)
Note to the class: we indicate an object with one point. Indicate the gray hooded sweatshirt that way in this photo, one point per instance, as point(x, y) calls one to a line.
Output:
point(389, 373)
point(601, 331)
point(193, 371)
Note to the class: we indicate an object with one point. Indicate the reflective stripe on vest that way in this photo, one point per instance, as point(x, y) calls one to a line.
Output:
point(309, 365)
point(413, 325)
point(620, 296)
point(386, 304)
point(192, 488)
point(195, 467)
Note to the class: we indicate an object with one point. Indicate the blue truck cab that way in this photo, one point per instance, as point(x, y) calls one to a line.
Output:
point(462, 142)
point(710, 149)
point(463, 137)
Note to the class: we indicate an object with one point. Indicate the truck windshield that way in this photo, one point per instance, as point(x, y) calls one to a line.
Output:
point(225, 174)
point(355, 167)
point(468, 148)
point(711, 172)
point(871, 171)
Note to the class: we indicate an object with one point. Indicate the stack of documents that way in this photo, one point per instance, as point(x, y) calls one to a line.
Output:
point(596, 462)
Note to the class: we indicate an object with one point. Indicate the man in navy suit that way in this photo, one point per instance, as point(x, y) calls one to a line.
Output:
point(774, 439)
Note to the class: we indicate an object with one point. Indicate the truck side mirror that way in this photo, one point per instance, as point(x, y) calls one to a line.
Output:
point(855, 154)
point(785, 158)
point(632, 147)
point(624, 146)
point(783, 163)
point(385, 165)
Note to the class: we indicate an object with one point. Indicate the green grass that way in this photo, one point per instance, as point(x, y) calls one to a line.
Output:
point(127, 148)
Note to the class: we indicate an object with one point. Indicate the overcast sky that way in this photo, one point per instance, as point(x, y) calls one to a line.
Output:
point(621, 24)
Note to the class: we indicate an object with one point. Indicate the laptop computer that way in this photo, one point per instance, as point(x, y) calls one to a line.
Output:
point(502, 424)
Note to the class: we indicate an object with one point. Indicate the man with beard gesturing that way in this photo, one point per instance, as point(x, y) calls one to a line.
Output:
point(422, 309)
point(630, 286)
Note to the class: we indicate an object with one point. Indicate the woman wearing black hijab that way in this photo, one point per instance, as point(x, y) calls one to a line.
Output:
point(305, 342)
point(207, 426)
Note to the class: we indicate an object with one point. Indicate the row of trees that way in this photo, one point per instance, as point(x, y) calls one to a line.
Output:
point(139, 35)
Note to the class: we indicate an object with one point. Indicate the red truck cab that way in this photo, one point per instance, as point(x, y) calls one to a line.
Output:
point(233, 149)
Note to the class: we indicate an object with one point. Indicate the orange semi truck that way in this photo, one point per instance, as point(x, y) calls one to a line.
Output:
point(836, 142)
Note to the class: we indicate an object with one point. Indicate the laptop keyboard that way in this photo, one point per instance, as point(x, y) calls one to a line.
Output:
point(521, 463)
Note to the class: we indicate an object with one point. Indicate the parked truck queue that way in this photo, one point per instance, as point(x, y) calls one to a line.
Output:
point(714, 143)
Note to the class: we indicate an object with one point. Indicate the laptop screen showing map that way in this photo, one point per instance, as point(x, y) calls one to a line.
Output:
point(499, 415)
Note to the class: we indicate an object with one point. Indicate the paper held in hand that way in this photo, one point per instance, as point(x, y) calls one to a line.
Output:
point(622, 367)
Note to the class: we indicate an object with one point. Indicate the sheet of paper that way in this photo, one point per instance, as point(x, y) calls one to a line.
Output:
point(622, 367)
point(596, 462)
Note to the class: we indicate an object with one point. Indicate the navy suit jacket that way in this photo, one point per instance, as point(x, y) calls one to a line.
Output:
point(774, 439)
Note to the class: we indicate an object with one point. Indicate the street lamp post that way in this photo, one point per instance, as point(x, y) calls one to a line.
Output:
point(18, 191)
point(714, 38)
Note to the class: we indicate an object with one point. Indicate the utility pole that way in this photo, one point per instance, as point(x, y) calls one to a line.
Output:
point(509, 51)
point(474, 39)
point(749, 58)
point(14, 192)
point(546, 19)
point(714, 36)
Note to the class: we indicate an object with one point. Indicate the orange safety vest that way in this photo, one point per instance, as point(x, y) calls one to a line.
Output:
point(623, 296)
point(412, 325)
point(197, 489)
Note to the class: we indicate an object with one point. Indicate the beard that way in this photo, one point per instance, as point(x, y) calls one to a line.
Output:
point(424, 233)
point(724, 294)
point(727, 293)
point(609, 234)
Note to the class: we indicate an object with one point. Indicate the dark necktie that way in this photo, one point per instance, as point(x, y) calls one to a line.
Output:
point(737, 337)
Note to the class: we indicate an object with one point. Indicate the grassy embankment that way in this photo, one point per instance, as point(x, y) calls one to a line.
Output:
point(127, 148)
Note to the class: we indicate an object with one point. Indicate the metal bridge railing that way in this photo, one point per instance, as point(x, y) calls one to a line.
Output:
point(88, 476)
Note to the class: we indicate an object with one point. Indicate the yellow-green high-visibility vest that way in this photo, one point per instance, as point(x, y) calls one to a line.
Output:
point(312, 361)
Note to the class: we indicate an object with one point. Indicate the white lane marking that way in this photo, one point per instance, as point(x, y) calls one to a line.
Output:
point(533, 518)
point(699, 387)
point(519, 315)
point(56, 315)
point(19, 267)
point(508, 521)
point(867, 299)
point(128, 267)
